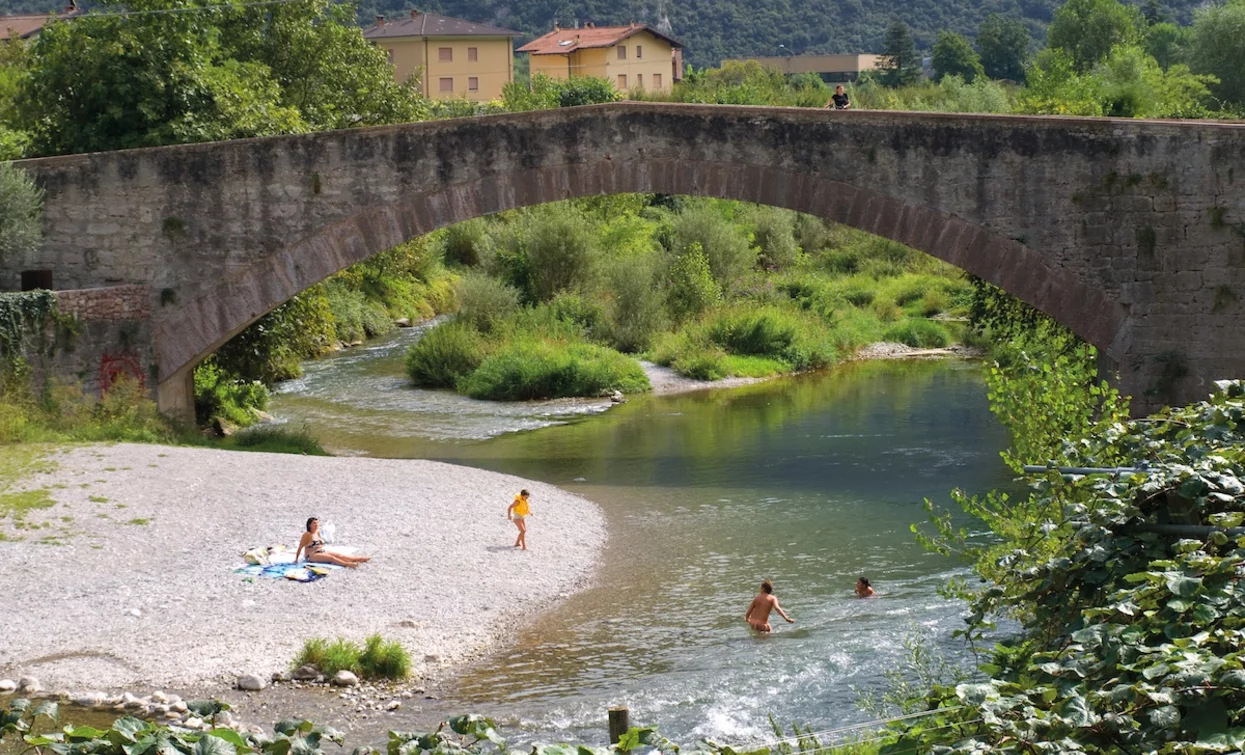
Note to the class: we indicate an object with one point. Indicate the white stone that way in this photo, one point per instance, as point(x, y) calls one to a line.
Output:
point(135, 612)
point(344, 678)
point(393, 705)
point(88, 699)
point(179, 706)
point(159, 697)
point(194, 723)
point(251, 682)
point(7, 685)
point(29, 685)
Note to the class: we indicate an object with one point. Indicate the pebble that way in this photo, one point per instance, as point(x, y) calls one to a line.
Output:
point(393, 705)
point(88, 699)
point(345, 679)
point(179, 706)
point(194, 723)
point(251, 682)
point(281, 676)
point(130, 701)
point(306, 673)
point(135, 612)
point(7, 685)
point(159, 709)
point(159, 697)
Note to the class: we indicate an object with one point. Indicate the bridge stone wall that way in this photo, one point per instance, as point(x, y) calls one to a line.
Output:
point(1131, 233)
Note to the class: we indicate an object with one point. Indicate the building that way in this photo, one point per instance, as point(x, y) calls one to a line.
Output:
point(631, 57)
point(833, 69)
point(449, 57)
point(28, 25)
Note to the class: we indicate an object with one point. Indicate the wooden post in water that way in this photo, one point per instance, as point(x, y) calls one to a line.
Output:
point(620, 721)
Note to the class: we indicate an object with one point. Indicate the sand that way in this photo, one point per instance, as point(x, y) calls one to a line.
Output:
point(140, 591)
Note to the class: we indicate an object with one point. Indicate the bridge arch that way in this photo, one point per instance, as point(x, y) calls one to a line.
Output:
point(1127, 232)
point(204, 324)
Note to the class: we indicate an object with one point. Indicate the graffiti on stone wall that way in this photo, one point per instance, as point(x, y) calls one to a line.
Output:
point(113, 367)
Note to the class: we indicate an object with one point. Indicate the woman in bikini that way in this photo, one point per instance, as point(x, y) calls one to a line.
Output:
point(313, 544)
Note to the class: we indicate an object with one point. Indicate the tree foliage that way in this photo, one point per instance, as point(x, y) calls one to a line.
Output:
point(1087, 30)
point(1218, 49)
point(903, 62)
point(954, 56)
point(1003, 43)
point(21, 212)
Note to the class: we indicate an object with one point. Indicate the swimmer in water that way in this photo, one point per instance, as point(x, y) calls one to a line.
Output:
point(864, 589)
point(765, 601)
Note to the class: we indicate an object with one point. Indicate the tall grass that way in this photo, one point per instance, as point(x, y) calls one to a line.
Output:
point(445, 355)
point(528, 368)
point(276, 439)
point(64, 412)
point(377, 659)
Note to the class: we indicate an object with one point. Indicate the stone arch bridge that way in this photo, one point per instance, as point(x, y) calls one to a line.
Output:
point(1131, 233)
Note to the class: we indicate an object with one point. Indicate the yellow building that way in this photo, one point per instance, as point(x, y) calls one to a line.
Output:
point(630, 57)
point(449, 58)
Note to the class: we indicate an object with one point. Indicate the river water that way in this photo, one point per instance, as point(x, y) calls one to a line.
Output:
point(811, 481)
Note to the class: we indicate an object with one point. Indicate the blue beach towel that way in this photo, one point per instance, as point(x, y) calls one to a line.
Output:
point(304, 572)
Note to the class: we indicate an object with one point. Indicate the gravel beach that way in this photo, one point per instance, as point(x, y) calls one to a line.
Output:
point(139, 589)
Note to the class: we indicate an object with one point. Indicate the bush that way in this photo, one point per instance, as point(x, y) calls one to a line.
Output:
point(277, 439)
point(377, 659)
point(635, 310)
point(561, 251)
point(692, 286)
point(222, 396)
point(445, 355)
point(354, 317)
point(921, 334)
point(725, 245)
point(484, 301)
point(464, 242)
point(526, 369)
point(775, 237)
point(794, 338)
point(21, 211)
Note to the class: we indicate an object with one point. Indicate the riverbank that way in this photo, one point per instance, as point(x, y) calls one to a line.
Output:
point(134, 584)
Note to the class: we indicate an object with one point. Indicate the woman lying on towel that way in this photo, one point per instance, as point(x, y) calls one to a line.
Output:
point(313, 544)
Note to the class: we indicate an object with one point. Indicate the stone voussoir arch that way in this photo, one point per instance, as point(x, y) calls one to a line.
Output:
point(216, 315)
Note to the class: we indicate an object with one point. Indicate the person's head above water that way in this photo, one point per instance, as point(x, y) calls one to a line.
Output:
point(864, 582)
point(311, 521)
point(767, 587)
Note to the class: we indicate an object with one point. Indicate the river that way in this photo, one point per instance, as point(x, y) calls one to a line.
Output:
point(811, 481)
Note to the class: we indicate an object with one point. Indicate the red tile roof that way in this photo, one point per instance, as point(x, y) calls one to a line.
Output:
point(562, 41)
point(21, 27)
point(432, 25)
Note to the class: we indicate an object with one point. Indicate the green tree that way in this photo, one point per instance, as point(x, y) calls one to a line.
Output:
point(1168, 44)
point(903, 62)
point(14, 67)
point(1219, 49)
point(953, 55)
point(545, 93)
point(1004, 43)
point(1135, 86)
point(21, 212)
point(1088, 29)
point(109, 82)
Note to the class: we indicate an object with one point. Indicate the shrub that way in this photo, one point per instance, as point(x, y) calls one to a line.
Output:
point(445, 355)
point(934, 303)
point(635, 311)
point(810, 233)
point(561, 251)
point(220, 395)
point(921, 334)
point(526, 369)
point(464, 242)
point(795, 338)
point(354, 317)
point(775, 237)
point(21, 210)
point(692, 286)
point(484, 301)
point(725, 245)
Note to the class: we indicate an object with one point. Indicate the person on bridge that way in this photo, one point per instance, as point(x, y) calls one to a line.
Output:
point(518, 513)
point(839, 100)
point(313, 544)
point(765, 601)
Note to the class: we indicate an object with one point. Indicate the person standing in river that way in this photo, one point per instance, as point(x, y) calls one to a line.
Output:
point(518, 513)
point(765, 601)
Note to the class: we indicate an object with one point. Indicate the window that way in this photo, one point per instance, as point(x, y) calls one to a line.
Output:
point(473, 84)
point(447, 84)
point(657, 81)
point(473, 54)
point(639, 52)
point(639, 80)
point(622, 82)
point(445, 54)
point(622, 52)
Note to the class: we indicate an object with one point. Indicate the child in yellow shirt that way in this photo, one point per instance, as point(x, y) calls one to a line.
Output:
point(518, 513)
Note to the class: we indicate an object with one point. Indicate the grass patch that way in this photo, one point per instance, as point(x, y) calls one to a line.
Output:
point(276, 439)
point(139, 521)
point(921, 334)
point(97, 499)
point(377, 659)
point(527, 368)
point(445, 355)
point(18, 505)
